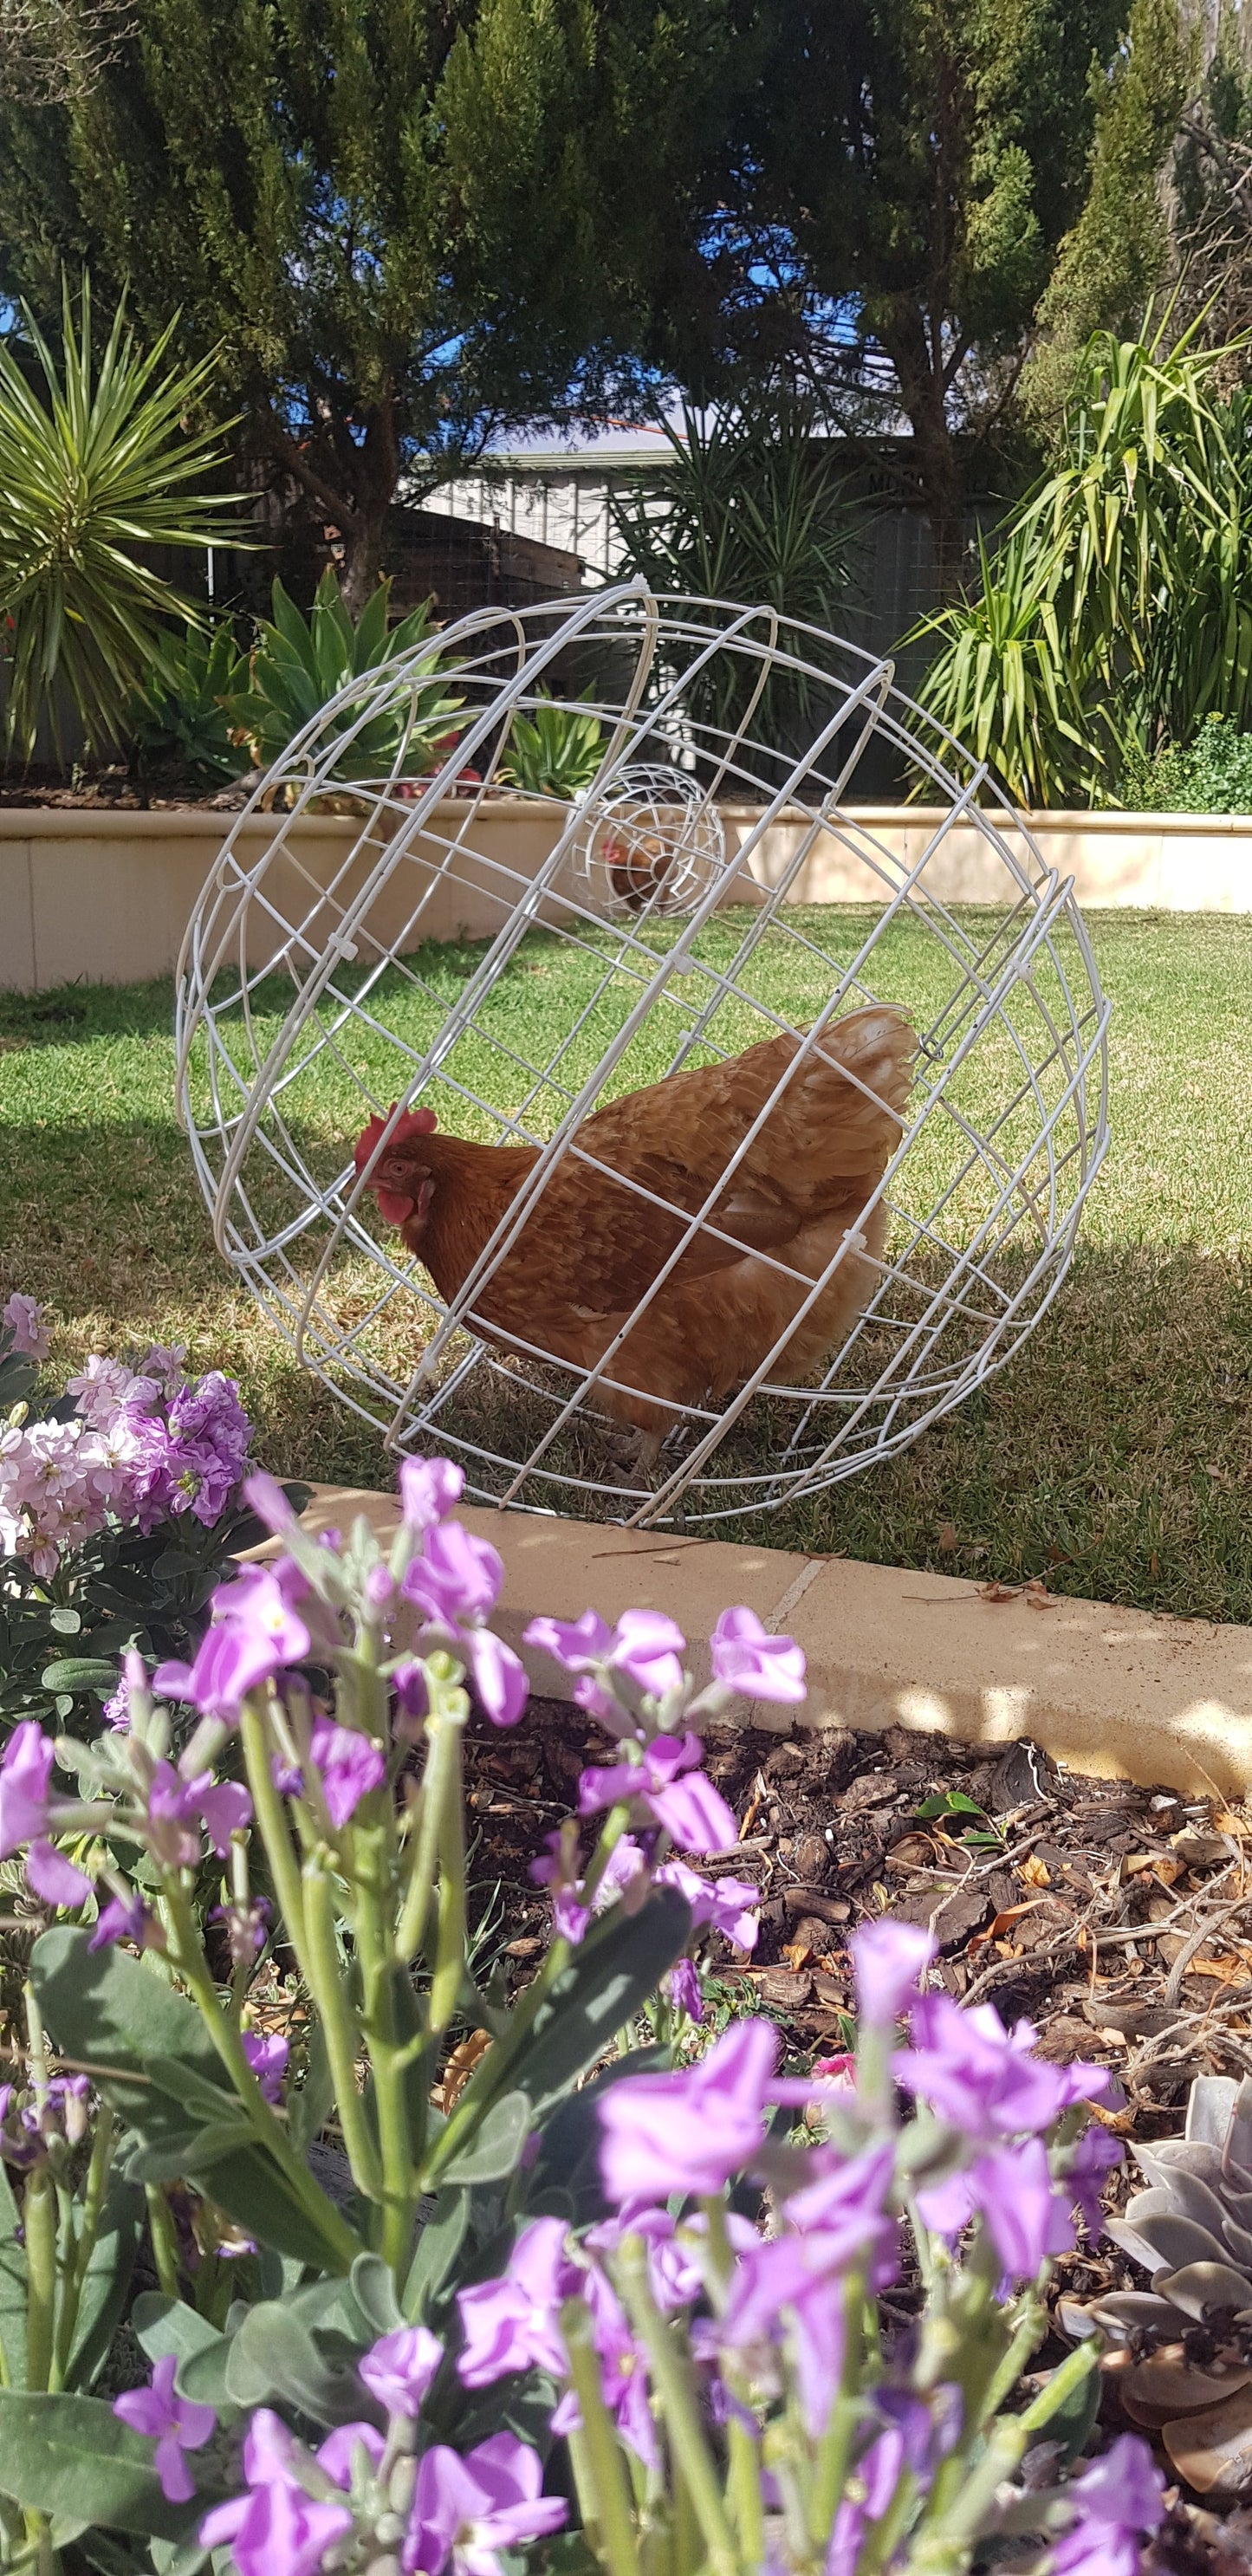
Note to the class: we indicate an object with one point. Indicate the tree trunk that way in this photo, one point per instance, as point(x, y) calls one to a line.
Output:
point(922, 394)
point(364, 535)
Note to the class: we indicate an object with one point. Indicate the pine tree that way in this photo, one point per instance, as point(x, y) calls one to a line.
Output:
point(887, 211)
point(400, 222)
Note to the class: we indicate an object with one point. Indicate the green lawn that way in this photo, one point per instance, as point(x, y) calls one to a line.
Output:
point(1111, 1456)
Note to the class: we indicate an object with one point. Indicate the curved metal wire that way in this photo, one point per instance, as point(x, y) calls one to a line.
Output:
point(315, 989)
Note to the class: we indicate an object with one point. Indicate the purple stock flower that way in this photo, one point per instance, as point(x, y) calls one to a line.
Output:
point(126, 1918)
point(430, 1488)
point(888, 1959)
point(54, 1878)
point(981, 2077)
point(276, 2529)
point(512, 2323)
point(195, 1460)
point(731, 1906)
point(748, 1660)
point(24, 1775)
point(399, 2368)
point(256, 1633)
point(1118, 2496)
point(457, 1576)
point(247, 1928)
point(267, 2056)
point(351, 1766)
point(685, 1992)
point(833, 2225)
point(176, 1807)
point(690, 1809)
point(1095, 2156)
point(455, 1583)
point(467, 2509)
point(690, 2131)
point(339, 2452)
point(560, 1867)
point(22, 1318)
point(264, 1495)
point(172, 2422)
point(644, 1648)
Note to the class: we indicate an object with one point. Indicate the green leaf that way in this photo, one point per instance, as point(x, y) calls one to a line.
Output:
point(496, 2146)
point(79, 1673)
point(372, 2286)
point(274, 2355)
point(166, 2325)
point(610, 1976)
point(437, 2249)
point(72, 2458)
point(12, 2287)
point(106, 2284)
point(109, 2010)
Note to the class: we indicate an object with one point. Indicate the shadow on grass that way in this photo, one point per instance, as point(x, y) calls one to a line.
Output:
point(1112, 1456)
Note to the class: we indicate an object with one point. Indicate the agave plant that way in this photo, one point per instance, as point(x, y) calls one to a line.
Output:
point(94, 469)
point(1182, 2349)
point(179, 716)
point(300, 663)
point(555, 752)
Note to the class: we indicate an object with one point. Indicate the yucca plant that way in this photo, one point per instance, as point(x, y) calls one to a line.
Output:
point(95, 468)
point(554, 752)
point(754, 507)
point(1117, 610)
point(179, 716)
point(299, 663)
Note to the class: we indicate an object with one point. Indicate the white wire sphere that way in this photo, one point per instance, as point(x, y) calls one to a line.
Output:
point(652, 842)
point(385, 925)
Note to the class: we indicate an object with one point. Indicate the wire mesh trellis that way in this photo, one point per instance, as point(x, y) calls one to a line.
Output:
point(435, 939)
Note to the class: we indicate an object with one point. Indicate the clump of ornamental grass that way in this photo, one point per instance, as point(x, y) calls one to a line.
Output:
point(635, 2308)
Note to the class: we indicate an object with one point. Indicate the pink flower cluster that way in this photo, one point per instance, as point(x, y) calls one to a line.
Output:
point(141, 1446)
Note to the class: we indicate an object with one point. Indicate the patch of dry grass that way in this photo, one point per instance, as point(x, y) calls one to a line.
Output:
point(1112, 1456)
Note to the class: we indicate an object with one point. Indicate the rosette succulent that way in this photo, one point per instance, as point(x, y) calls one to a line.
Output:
point(1182, 2349)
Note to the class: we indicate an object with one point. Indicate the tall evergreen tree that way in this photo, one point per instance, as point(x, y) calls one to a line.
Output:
point(887, 211)
point(400, 221)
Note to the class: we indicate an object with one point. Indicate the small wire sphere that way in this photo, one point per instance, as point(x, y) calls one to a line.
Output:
point(652, 842)
point(390, 923)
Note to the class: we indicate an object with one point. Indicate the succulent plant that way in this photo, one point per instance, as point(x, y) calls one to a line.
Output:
point(1182, 2349)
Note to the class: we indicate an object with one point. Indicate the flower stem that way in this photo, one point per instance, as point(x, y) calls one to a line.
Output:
point(614, 2520)
point(672, 2383)
point(339, 2028)
point(84, 2243)
point(164, 2240)
point(189, 1960)
point(272, 1820)
point(387, 2055)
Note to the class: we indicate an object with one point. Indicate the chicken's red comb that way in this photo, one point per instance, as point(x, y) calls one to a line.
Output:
point(413, 1122)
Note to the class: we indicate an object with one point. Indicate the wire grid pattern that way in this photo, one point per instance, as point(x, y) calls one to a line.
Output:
point(313, 993)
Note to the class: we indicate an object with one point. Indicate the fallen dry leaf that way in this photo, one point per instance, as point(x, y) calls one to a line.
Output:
point(1008, 1915)
point(948, 1539)
point(1036, 1595)
point(998, 1592)
point(1034, 1871)
point(1166, 1867)
point(913, 1851)
point(798, 1952)
point(460, 2066)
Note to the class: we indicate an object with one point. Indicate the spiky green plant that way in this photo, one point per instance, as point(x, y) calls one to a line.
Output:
point(179, 715)
point(1115, 613)
point(553, 752)
point(754, 506)
point(300, 663)
point(96, 467)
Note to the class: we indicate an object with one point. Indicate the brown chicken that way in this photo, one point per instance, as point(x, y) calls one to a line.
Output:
point(591, 1246)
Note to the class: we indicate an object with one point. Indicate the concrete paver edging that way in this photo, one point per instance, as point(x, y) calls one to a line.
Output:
point(1122, 1693)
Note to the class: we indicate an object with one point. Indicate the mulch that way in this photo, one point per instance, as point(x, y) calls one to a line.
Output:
point(1118, 1920)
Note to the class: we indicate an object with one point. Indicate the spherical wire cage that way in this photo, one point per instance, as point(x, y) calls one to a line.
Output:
point(394, 921)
